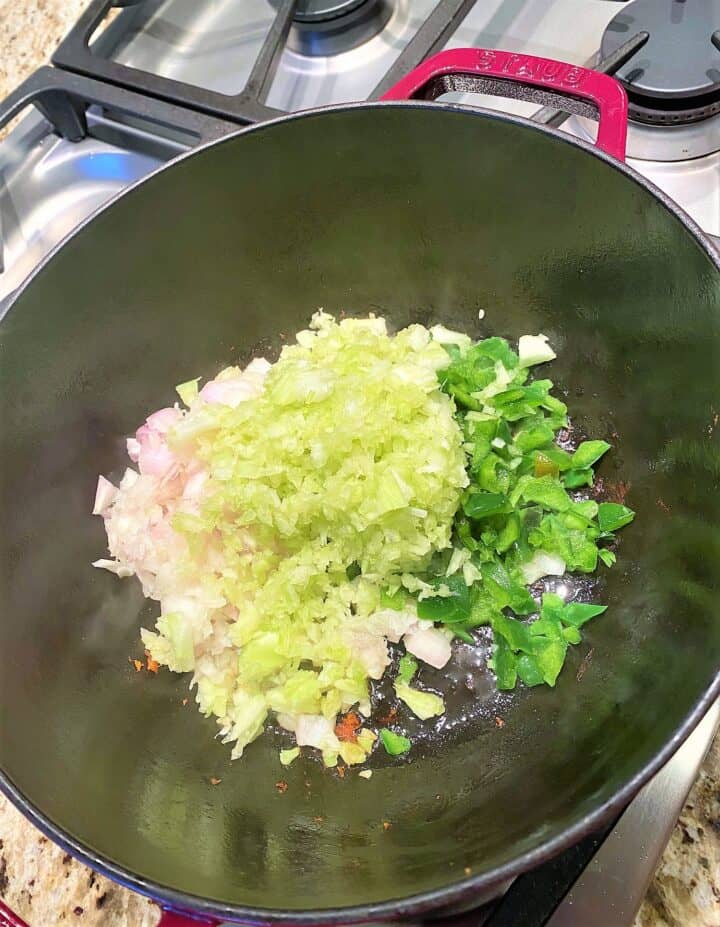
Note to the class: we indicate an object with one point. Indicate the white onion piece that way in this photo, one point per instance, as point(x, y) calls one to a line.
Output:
point(316, 731)
point(429, 645)
point(163, 420)
point(195, 485)
point(104, 496)
point(130, 477)
point(229, 392)
point(156, 458)
point(542, 564)
point(447, 336)
point(534, 349)
point(113, 566)
point(370, 650)
point(257, 369)
point(133, 449)
point(390, 623)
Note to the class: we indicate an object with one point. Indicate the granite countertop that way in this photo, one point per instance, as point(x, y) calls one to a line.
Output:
point(47, 887)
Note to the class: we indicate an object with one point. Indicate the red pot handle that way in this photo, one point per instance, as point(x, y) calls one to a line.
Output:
point(524, 77)
point(167, 919)
point(8, 918)
point(172, 919)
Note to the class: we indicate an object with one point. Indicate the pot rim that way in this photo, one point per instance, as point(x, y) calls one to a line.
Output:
point(463, 889)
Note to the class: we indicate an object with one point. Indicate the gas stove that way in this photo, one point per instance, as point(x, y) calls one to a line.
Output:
point(138, 82)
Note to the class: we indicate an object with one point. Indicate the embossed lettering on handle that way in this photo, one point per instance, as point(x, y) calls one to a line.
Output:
point(544, 70)
point(599, 91)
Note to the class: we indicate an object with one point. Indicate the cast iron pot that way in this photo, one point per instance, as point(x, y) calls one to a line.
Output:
point(421, 212)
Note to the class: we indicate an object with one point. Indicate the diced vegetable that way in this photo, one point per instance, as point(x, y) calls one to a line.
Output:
point(188, 391)
point(589, 453)
point(394, 744)
point(534, 349)
point(424, 704)
point(295, 520)
point(287, 756)
point(519, 520)
point(542, 564)
point(612, 516)
point(430, 645)
point(536, 652)
point(407, 669)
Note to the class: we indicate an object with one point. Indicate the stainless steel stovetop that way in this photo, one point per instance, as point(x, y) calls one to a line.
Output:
point(137, 87)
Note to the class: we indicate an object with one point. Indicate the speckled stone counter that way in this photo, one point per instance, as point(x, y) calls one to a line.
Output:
point(29, 32)
point(47, 887)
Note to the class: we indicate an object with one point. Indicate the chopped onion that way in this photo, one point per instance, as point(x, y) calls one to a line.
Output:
point(113, 566)
point(431, 646)
point(542, 564)
point(534, 349)
point(163, 420)
point(133, 449)
point(446, 336)
point(264, 617)
point(104, 496)
point(316, 731)
point(228, 392)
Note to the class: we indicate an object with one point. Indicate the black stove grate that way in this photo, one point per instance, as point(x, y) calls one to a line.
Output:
point(64, 97)
point(534, 896)
point(75, 54)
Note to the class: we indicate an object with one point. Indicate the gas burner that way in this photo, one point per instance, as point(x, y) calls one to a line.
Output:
point(330, 27)
point(674, 79)
point(320, 11)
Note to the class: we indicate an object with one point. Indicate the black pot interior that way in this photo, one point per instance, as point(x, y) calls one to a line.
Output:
point(420, 213)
